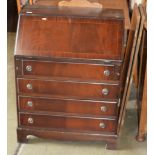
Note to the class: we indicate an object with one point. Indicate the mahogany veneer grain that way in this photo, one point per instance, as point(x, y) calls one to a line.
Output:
point(68, 51)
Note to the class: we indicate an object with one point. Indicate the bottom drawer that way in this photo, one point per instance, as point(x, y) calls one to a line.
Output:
point(68, 123)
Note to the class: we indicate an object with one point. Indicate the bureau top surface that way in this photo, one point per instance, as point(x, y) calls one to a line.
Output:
point(106, 4)
point(73, 12)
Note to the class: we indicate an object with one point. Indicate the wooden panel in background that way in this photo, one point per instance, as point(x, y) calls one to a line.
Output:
point(128, 65)
point(12, 15)
point(132, 64)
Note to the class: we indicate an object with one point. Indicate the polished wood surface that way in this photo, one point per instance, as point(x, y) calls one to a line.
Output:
point(73, 106)
point(70, 123)
point(74, 70)
point(68, 88)
point(61, 56)
point(110, 139)
point(106, 4)
point(79, 35)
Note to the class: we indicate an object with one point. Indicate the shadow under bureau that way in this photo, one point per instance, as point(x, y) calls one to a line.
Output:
point(69, 77)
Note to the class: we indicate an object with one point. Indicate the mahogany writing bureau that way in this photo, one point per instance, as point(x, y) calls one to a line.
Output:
point(68, 66)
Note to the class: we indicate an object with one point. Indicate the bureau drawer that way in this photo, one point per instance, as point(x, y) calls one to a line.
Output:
point(68, 123)
point(68, 89)
point(72, 70)
point(90, 107)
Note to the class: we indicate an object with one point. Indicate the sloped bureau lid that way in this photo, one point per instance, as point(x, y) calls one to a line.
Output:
point(70, 32)
point(106, 4)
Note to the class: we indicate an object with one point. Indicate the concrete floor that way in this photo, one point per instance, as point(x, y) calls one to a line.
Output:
point(127, 143)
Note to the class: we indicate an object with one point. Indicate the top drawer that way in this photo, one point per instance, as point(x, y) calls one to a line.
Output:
point(72, 70)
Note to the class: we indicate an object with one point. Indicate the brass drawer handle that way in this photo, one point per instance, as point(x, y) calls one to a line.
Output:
point(44, 18)
point(30, 120)
point(105, 91)
point(29, 86)
point(106, 72)
point(29, 103)
point(118, 74)
point(29, 68)
point(103, 108)
point(102, 125)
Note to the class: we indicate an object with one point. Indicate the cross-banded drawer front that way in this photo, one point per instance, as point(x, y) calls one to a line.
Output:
point(68, 88)
point(102, 108)
point(70, 123)
point(72, 70)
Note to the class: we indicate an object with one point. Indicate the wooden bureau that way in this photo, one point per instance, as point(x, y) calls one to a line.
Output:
point(68, 65)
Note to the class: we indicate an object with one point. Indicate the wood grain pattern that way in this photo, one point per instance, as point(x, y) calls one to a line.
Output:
point(70, 123)
point(73, 70)
point(63, 93)
point(112, 4)
point(68, 88)
point(73, 106)
point(130, 51)
point(23, 132)
point(142, 60)
point(142, 128)
point(106, 4)
point(142, 85)
point(133, 60)
point(79, 36)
